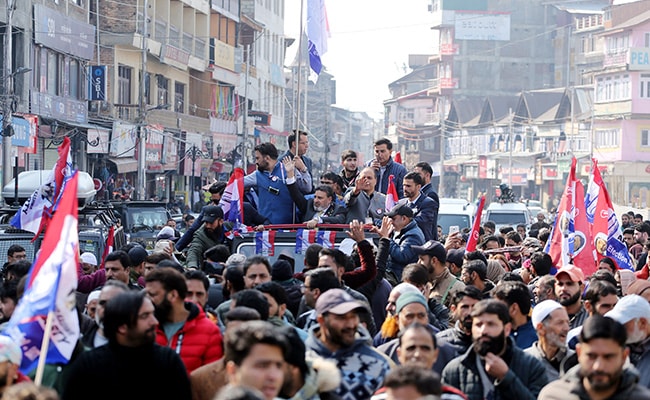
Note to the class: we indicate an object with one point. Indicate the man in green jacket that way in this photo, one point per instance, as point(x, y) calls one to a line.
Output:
point(207, 236)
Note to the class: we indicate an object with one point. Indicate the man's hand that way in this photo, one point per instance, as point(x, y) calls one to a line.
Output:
point(259, 228)
point(385, 229)
point(299, 164)
point(495, 366)
point(311, 224)
point(375, 164)
point(356, 231)
point(289, 166)
point(453, 241)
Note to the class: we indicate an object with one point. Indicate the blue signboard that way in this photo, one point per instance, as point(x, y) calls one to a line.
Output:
point(21, 132)
point(97, 84)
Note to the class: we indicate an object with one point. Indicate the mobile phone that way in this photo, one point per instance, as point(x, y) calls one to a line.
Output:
point(454, 229)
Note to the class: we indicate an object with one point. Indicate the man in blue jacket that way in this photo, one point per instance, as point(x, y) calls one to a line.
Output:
point(385, 166)
point(425, 210)
point(406, 235)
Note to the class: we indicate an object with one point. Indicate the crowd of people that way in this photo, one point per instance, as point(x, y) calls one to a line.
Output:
point(405, 313)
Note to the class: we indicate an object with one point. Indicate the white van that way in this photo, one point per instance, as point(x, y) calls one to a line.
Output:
point(508, 214)
point(455, 213)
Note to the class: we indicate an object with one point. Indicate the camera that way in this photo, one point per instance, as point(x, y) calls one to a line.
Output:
point(274, 191)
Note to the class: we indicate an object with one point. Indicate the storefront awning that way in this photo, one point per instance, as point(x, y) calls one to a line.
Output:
point(124, 165)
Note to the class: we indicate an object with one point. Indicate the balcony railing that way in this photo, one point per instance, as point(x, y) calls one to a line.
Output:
point(590, 22)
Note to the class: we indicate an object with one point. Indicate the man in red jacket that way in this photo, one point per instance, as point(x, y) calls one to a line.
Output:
point(182, 325)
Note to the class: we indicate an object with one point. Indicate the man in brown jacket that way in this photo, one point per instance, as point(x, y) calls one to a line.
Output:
point(433, 255)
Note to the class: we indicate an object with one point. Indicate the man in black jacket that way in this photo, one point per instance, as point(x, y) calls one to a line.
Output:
point(130, 326)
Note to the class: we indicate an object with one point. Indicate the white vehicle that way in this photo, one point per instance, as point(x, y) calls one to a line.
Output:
point(455, 213)
point(508, 214)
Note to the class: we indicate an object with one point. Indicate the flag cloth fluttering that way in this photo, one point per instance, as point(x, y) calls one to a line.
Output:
point(475, 232)
point(232, 201)
point(391, 194)
point(50, 288)
point(605, 229)
point(570, 241)
point(317, 34)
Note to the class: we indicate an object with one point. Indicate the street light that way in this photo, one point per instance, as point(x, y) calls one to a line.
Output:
point(194, 153)
point(219, 151)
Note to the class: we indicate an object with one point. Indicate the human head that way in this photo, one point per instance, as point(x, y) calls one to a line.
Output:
point(412, 183)
point(625, 219)
point(462, 304)
point(607, 264)
point(425, 171)
point(551, 321)
point(628, 237)
point(303, 143)
point(633, 312)
point(600, 297)
point(8, 299)
point(254, 299)
point(16, 252)
point(108, 292)
point(276, 296)
point(167, 289)
point(129, 320)
point(417, 275)
point(638, 218)
point(216, 191)
point(349, 160)
point(473, 271)
point(118, 266)
point(601, 353)
point(641, 232)
point(569, 283)
point(489, 242)
point(395, 293)
point(337, 315)
point(516, 296)
point(257, 269)
point(417, 346)
point(296, 367)
point(411, 307)
point(88, 262)
point(91, 303)
point(490, 327)
point(401, 215)
point(540, 263)
point(383, 148)
point(433, 256)
point(489, 227)
point(317, 282)
point(255, 353)
point(266, 156)
point(334, 181)
point(544, 289)
point(323, 197)
point(153, 260)
point(513, 239)
point(218, 253)
point(197, 287)
point(212, 218)
point(334, 259)
point(408, 382)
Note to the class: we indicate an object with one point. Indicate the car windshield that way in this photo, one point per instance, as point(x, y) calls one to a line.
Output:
point(148, 218)
point(503, 218)
point(447, 220)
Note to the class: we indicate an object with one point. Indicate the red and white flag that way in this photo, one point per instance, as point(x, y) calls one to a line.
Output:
point(304, 238)
point(475, 232)
point(326, 239)
point(265, 243)
point(571, 241)
point(398, 157)
point(391, 194)
point(109, 244)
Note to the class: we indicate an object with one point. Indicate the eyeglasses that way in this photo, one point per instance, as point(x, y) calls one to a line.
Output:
point(304, 288)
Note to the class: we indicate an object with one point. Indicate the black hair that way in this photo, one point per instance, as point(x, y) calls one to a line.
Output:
point(217, 188)
point(642, 227)
point(256, 260)
point(340, 258)
point(486, 240)
point(514, 293)
point(490, 224)
point(348, 154)
point(218, 253)
point(417, 326)
point(323, 279)
point(426, 167)
point(476, 255)
point(542, 263)
point(491, 306)
point(169, 263)
point(599, 327)
point(121, 256)
point(426, 382)
point(241, 313)
point(311, 254)
point(415, 177)
point(386, 141)
point(170, 279)
point(296, 354)
point(505, 229)
point(198, 276)
point(240, 340)
point(254, 299)
point(10, 291)
point(235, 275)
point(14, 248)
point(608, 261)
point(274, 290)
point(18, 268)
point(514, 236)
point(291, 139)
point(470, 291)
point(598, 289)
point(122, 309)
point(511, 276)
point(415, 274)
point(477, 266)
point(267, 149)
point(327, 189)
point(628, 231)
point(337, 179)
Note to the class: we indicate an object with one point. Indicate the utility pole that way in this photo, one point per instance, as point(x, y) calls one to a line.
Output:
point(441, 185)
point(244, 127)
point(142, 111)
point(7, 101)
point(510, 146)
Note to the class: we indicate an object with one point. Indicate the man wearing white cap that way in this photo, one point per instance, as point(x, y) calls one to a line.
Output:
point(88, 263)
point(633, 312)
point(551, 322)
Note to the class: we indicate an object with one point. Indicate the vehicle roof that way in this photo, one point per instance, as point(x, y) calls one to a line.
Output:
point(507, 207)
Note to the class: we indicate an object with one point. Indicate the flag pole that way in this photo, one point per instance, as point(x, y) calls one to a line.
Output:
point(44, 348)
point(298, 86)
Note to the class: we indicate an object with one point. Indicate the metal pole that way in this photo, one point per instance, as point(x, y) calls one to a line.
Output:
point(244, 127)
point(510, 146)
point(193, 171)
point(9, 93)
point(302, 31)
point(142, 134)
point(441, 187)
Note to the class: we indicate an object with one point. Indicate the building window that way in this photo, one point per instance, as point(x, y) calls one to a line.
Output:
point(606, 138)
point(645, 138)
point(124, 75)
point(179, 97)
point(163, 90)
point(613, 88)
point(644, 86)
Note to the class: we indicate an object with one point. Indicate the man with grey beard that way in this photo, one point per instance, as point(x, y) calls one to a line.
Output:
point(551, 322)
point(95, 337)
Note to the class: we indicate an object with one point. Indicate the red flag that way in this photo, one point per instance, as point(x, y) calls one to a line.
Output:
point(391, 194)
point(109, 244)
point(571, 241)
point(474, 234)
point(398, 157)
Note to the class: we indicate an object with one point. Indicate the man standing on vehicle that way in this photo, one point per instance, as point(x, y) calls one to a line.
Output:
point(362, 201)
point(425, 210)
point(385, 166)
point(303, 163)
point(406, 235)
point(350, 169)
point(270, 180)
point(426, 172)
point(207, 236)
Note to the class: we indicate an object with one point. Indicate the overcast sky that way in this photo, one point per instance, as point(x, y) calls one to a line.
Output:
point(369, 46)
